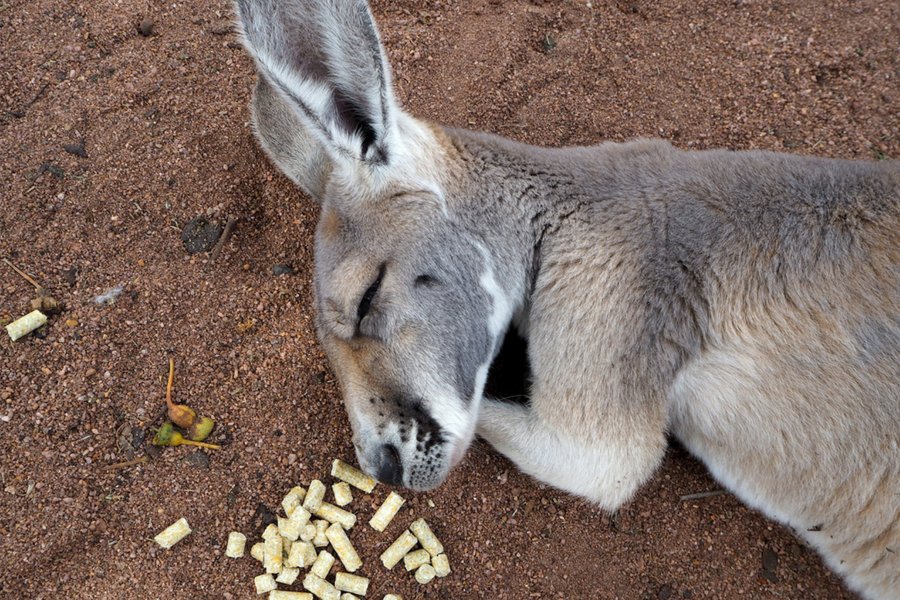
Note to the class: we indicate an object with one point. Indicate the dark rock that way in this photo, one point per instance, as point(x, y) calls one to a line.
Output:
point(145, 28)
point(71, 276)
point(665, 592)
point(769, 565)
point(76, 149)
point(263, 516)
point(199, 235)
point(198, 459)
point(282, 270)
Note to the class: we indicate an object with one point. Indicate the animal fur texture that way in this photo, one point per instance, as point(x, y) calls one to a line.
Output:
point(747, 303)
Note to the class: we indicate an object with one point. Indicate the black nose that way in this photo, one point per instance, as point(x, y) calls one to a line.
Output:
point(390, 469)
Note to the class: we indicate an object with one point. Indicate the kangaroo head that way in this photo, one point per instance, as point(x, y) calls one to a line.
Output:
point(408, 308)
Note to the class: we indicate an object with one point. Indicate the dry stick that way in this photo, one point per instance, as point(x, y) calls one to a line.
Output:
point(126, 464)
point(24, 275)
point(701, 495)
point(21, 112)
point(223, 239)
point(169, 384)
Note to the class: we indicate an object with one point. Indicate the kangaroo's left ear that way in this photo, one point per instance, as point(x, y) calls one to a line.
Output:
point(326, 59)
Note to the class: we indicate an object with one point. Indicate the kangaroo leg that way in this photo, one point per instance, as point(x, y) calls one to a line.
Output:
point(595, 424)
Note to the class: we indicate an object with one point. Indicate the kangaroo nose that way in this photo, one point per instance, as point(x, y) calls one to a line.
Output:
point(390, 469)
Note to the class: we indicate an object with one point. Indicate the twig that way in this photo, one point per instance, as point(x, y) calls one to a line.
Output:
point(21, 112)
point(701, 495)
point(223, 239)
point(126, 464)
point(25, 275)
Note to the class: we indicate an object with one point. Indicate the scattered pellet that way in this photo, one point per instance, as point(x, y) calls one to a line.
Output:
point(425, 574)
point(415, 559)
point(322, 565)
point(426, 537)
point(235, 546)
point(314, 495)
point(320, 588)
point(342, 494)
point(264, 583)
point(345, 550)
point(355, 584)
point(173, 534)
point(397, 550)
point(352, 475)
point(441, 565)
point(386, 512)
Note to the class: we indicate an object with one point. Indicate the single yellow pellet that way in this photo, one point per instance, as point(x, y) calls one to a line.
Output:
point(288, 575)
point(441, 565)
point(173, 534)
point(320, 588)
point(352, 475)
point(314, 495)
point(322, 565)
point(235, 546)
point(264, 583)
point(293, 499)
point(424, 574)
point(416, 559)
point(386, 512)
point(355, 584)
point(272, 554)
point(342, 494)
point(334, 514)
point(345, 550)
point(426, 537)
point(397, 550)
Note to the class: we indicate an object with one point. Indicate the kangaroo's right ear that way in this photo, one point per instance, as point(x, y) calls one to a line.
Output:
point(325, 59)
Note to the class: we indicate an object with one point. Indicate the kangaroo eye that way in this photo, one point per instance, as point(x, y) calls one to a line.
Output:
point(426, 281)
point(366, 302)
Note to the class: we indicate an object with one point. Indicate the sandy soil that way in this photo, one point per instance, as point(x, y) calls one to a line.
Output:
point(161, 121)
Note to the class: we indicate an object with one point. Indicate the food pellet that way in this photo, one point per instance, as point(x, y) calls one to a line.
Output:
point(308, 533)
point(270, 531)
point(235, 546)
point(320, 540)
point(293, 526)
point(302, 555)
point(342, 494)
point(293, 500)
point(322, 565)
point(264, 583)
point(416, 559)
point(424, 574)
point(352, 475)
point(288, 575)
point(272, 554)
point(441, 565)
point(397, 550)
point(25, 325)
point(333, 514)
point(258, 551)
point(314, 495)
point(173, 534)
point(392, 597)
point(320, 588)
point(349, 596)
point(345, 550)
point(284, 595)
point(355, 584)
point(386, 512)
point(426, 537)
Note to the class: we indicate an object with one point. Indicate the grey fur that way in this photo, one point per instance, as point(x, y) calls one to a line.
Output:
point(746, 302)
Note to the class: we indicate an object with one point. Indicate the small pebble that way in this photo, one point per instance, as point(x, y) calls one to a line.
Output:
point(282, 270)
point(146, 27)
point(197, 459)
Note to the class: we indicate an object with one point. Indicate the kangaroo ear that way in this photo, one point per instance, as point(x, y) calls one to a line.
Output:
point(325, 58)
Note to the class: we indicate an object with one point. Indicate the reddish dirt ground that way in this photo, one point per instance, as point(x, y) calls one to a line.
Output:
point(163, 122)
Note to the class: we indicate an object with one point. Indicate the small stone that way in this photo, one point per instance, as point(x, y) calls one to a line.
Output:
point(282, 270)
point(71, 276)
point(199, 235)
point(665, 592)
point(197, 459)
point(76, 149)
point(292, 458)
point(71, 322)
point(145, 28)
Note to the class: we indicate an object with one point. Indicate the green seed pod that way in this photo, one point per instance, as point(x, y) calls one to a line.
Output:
point(164, 435)
point(201, 429)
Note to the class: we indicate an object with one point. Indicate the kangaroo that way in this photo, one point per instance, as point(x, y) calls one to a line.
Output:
point(747, 303)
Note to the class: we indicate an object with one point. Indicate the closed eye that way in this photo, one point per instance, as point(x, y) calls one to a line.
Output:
point(366, 302)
